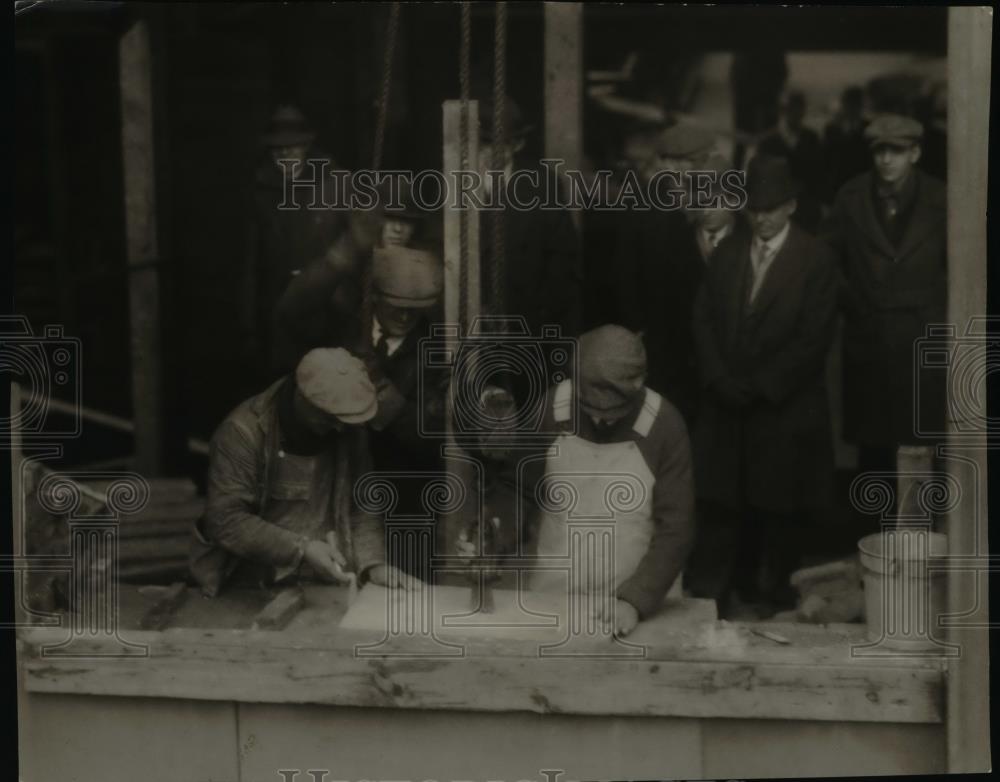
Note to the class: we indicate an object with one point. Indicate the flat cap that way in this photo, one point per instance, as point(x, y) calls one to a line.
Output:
point(408, 276)
point(895, 130)
point(612, 370)
point(337, 383)
point(684, 140)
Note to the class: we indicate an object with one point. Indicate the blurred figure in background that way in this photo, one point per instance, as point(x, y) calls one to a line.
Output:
point(889, 228)
point(660, 268)
point(757, 78)
point(283, 241)
point(799, 144)
point(845, 148)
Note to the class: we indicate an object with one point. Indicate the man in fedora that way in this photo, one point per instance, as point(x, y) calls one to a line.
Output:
point(888, 227)
point(281, 473)
point(284, 238)
point(763, 323)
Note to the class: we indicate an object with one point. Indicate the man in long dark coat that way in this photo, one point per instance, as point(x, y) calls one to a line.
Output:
point(764, 322)
point(888, 227)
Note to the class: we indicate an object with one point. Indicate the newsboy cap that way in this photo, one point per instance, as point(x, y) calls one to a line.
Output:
point(338, 384)
point(769, 183)
point(408, 276)
point(684, 140)
point(612, 370)
point(894, 130)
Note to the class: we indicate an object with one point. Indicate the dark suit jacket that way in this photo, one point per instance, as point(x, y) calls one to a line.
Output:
point(776, 454)
point(892, 293)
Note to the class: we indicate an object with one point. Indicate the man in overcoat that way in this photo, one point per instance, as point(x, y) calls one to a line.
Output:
point(888, 227)
point(763, 325)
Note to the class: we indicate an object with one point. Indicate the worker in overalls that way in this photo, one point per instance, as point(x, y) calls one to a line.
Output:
point(280, 483)
point(622, 459)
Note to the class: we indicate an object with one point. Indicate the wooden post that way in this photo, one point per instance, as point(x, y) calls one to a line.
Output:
point(969, 44)
point(135, 80)
point(563, 86)
point(453, 261)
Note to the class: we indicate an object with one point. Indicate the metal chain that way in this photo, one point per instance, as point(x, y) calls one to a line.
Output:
point(367, 293)
point(464, 69)
point(499, 152)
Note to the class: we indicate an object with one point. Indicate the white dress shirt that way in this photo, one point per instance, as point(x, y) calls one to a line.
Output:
point(762, 255)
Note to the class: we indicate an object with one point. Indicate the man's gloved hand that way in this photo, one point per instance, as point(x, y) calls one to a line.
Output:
point(390, 403)
point(733, 394)
point(624, 621)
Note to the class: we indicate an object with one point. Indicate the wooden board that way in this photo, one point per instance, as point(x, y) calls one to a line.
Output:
point(547, 617)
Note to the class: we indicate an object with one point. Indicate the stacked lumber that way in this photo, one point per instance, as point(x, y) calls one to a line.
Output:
point(153, 543)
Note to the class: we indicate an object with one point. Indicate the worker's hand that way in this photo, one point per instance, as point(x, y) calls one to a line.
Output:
point(326, 560)
point(467, 550)
point(393, 578)
point(625, 618)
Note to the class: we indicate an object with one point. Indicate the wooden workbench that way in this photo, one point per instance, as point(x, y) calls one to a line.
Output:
point(208, 698)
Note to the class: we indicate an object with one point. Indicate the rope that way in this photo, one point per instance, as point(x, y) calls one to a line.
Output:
point(464, 69)
point(367, 295)
point(499, 152)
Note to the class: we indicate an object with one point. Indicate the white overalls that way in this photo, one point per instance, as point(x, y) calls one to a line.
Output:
point(596, 503)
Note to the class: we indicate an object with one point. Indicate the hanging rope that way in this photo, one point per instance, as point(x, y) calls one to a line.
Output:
point(464, 69)
point(367, 296)
point(499, 152)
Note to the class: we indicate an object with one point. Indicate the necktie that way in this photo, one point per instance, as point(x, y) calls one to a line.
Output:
point(758, 261)
point(382, 348)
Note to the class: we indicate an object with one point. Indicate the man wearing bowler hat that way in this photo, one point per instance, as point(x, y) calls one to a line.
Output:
point(763, 324)
point(888, 227)
point(280, 483)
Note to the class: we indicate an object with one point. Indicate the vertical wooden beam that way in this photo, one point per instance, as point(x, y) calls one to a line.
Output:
point(452, 234)
point(135, 82)
point(969, 45)
point(563, 85)
point(453, 261)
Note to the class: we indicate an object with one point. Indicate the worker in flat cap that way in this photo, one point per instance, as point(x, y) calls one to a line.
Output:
point(763, 323)
point(660, 267)
point(288, 226)
point(888, 227)
point(623, 449)
point(281, 472)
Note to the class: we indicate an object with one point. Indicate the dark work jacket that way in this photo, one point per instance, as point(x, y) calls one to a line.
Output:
point(660, 268)
point(892, 294)
point(775, 454)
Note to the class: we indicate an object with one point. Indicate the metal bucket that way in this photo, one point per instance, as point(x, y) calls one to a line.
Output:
point(903, 596)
